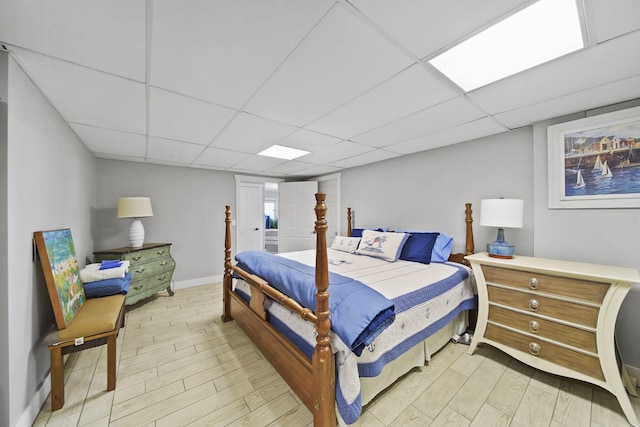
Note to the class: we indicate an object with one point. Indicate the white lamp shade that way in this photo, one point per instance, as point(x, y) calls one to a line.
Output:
point(134, 207)
point(502, 213)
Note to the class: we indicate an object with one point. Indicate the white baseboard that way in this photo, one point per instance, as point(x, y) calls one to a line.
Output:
point(633, 373)
point(183, 284)
point(32, 410)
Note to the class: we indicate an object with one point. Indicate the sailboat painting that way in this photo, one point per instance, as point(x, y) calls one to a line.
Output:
point(595, 162)
point(579, 180)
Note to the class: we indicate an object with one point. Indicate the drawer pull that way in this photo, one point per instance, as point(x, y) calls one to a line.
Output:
point(140, 270)
point(534, 305)
point(136, 257)
point(534, 348)
point(137, 288)
point(164, 263)
point(161, 279)
point(161, 252)
point(533, 283)
point(534, 326)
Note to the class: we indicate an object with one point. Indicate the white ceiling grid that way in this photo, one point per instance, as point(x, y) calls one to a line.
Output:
point(209, 84)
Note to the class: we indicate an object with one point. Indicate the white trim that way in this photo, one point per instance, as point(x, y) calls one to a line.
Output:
point(263, 179)
point(184, 284)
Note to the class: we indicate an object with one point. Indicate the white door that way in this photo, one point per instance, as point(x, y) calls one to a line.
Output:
point(331, 187)
point(250, 217)
point(297, 217)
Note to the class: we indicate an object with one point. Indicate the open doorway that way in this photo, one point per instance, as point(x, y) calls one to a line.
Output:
point(271, 217)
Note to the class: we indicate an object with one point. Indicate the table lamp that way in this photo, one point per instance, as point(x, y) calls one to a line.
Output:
point(136, 208)
point(501, 213)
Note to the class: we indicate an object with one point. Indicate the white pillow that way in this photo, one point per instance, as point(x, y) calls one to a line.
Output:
point(345, 244)
point(382, 245)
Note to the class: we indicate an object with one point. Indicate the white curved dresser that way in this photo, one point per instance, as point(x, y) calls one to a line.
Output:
point(557, 316)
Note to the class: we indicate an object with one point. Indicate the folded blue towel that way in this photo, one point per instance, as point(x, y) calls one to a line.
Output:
point(102, 288)
point(110, 263)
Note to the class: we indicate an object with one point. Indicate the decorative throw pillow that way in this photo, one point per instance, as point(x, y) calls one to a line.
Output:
point(382, 245)
point(357, 232)
point(345, 244)
point(418, 247)
point(442, 248)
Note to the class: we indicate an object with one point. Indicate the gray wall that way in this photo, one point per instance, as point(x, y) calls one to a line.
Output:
point(50, 185)
point(188, 211)
point(428, 190)
point(4, 244)
point(599, 236)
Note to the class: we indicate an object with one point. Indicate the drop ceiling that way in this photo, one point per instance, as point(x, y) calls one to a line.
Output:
point(209, 84)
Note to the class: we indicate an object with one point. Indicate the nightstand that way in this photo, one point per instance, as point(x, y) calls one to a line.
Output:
point(557, 316)
point(151, 267)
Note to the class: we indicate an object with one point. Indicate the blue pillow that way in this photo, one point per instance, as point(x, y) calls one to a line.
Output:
point(418, 247)
point(357, 232)
point(442, 248)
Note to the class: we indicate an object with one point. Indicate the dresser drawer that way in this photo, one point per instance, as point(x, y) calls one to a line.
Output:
point(565, 334)
point(147, 255)
point(157, 266)
point(565, 286)
point(149, 284)
point(564, 310)
point(567, 358)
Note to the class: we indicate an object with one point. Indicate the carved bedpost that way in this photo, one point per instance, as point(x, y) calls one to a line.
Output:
point(226, 281)
point(349, 222)
point(470, 248)
point(323, 360)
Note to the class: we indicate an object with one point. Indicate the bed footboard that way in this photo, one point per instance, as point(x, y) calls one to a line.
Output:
point(313, 381)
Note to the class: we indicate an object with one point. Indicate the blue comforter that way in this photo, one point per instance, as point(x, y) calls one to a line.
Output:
point(358, 313)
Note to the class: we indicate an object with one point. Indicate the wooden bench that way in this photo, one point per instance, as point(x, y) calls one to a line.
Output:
point(82, 323)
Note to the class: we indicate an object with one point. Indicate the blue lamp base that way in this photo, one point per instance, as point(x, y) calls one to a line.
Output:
point(500, 248)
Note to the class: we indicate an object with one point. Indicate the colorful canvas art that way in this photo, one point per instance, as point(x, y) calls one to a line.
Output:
point(60, 265)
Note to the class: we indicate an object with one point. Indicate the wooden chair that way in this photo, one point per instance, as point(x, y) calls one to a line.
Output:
point(82, 323)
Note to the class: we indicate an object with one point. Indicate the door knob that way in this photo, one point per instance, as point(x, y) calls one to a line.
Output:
point(256, 229)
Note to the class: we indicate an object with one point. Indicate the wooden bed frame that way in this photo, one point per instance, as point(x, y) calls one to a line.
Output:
point(312, 380)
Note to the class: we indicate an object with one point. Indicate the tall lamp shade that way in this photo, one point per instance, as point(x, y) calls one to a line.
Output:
point(136, 208)
point(501, 213)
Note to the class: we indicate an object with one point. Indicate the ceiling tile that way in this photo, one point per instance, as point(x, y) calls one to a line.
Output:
point(340, 59)
point(315, 171)
point(612, 93)
point(590, 67)
point(224, 50)
point(425, 27)
point(251, 134)
point(336, 152)
point(215, 157)
point(411, 90)
point(308, 140)
point(464, 132)
point(258, 163)
point(173, 152)
point(80, 31)
point(366, 158)
point(86, 96)
point(289, 168)
point(613, 18)
point(183, 118)
point(450, 113)
point(106, 141)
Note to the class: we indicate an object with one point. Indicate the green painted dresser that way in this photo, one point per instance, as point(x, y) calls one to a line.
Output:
point(151, 267)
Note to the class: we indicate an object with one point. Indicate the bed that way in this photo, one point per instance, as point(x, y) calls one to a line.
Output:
point(317, 360)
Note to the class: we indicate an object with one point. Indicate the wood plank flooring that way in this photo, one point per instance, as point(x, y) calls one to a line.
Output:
point(179, 365)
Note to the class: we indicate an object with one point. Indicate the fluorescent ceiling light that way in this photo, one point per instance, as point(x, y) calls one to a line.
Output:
point(282, 152)
point(543, 31)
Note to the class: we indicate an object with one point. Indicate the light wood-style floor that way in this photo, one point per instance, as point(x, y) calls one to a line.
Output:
point(178, 364)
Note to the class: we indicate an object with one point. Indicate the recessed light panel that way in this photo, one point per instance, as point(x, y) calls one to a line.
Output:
point(282, 152)
point(539, 33)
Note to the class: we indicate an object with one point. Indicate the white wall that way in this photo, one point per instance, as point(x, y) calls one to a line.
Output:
point(188, 211)
point(50, 185)
point(4, 244)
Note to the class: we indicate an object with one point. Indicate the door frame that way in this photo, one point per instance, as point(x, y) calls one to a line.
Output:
point(241, 179)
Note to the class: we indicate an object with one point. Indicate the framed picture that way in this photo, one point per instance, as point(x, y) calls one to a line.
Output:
point(61, 272)
point(595, 162)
